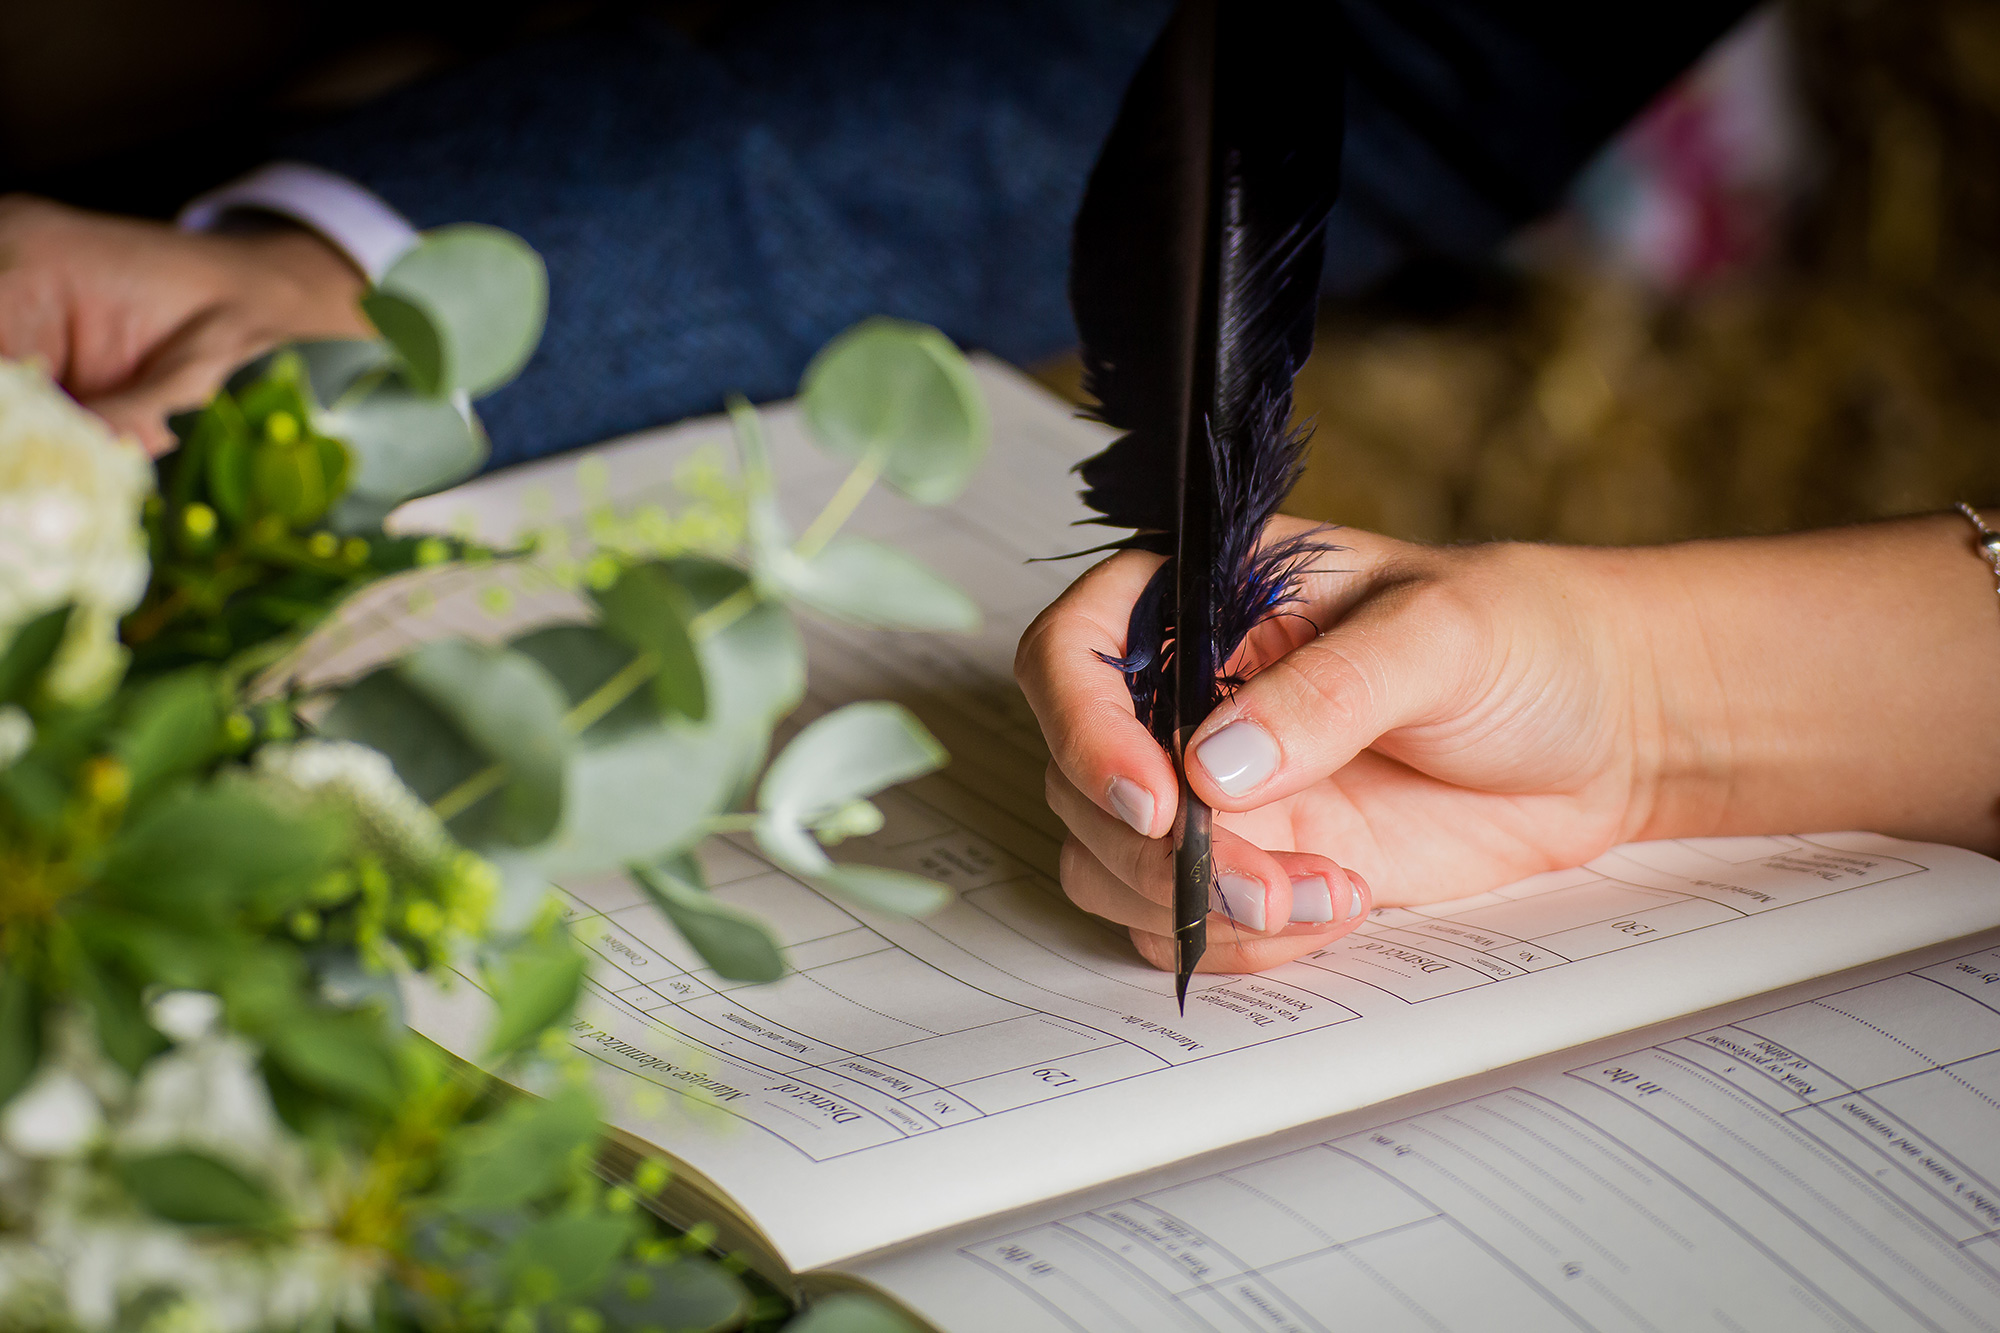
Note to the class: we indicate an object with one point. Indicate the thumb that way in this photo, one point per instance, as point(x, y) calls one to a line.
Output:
point(180, 374)
point(1405, 656)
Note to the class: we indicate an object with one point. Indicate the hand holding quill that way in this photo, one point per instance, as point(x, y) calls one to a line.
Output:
point(1194, 279)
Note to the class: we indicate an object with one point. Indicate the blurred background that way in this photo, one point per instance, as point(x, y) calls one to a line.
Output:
point(1774, 302)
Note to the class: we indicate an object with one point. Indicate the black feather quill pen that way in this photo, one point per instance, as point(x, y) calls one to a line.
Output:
point(1194, 277)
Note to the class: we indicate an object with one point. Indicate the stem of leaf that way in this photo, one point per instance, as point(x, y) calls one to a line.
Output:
point(841, 506)
point(591, 709)
point(740, 823)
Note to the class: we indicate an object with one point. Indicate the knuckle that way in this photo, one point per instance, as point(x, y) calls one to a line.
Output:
point(1074, 864)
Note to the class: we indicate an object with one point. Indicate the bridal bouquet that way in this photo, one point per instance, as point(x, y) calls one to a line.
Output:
point(212, 875)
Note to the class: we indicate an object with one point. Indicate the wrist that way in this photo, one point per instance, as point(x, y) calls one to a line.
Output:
point(301, 284)
point(1826, 680)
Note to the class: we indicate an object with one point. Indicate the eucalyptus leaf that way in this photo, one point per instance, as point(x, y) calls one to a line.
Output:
point(649, 610)
point(403, 445)
point(520, 1153)
point(646, 794)
point(483, 295)
point(886, 890)
point(335, 365)
point(508, 706)
point(867, 583)
point(737, 945)
point(852, 752)
point(850, 1312)
point(33, 648)
point(639, 784)
point(693, 1295)
point(197, 1190)
point(899, 392)
point(570, 1253)
point(536, 986)
point(383, 711)
point(407, 326)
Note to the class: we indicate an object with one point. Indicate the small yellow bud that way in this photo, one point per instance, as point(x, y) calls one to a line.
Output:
point(423, 919)
point(355, 551)
point(304, 925)
point(651, 1177)
point(332, 888)
point(433, 551)
point(238, 730)
point(106, 781)
point(323, 545)
point(198, 521)
point(601, 570)
point(585, 1321)
point(618, 1201)
point(267, 529)
point(497, 600)
point(281, 428)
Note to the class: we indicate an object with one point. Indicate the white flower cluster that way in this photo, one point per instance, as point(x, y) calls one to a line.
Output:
point(394, 820)
point(70, 499)
point(73, 1253)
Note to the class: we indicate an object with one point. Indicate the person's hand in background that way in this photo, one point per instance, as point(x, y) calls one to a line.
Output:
point(1448, 720)
point(138, 320)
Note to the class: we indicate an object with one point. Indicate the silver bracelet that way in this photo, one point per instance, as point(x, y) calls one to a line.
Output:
point(1988, 543)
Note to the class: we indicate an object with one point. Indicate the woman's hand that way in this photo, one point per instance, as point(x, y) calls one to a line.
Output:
point(137, 320)
point(1444, 720)
point(1437, 721)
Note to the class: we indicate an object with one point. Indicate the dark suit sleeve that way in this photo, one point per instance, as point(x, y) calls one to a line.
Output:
point(711, 213)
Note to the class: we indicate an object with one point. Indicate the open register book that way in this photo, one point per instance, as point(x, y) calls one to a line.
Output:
point(997, 1115)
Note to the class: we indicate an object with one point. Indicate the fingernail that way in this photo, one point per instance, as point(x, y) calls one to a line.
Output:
point(1358, 895)
point(1240, 898)
point(1239, 757)
point(1131, 803)
point(1312, 900)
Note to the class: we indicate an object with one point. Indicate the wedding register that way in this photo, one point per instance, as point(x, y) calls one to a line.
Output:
point(1735, 1083)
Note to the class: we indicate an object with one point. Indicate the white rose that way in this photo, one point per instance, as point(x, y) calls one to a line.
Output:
point(70, 499)
point(56, 1115)
point(393, 818)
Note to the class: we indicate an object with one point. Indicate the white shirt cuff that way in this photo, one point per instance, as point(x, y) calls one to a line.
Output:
point(351, 219)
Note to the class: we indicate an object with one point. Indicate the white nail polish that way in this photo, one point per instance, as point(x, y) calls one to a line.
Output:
point(1131, 803)
point(1239, 757)
point(1355, 898)
point(1312, 900)
point(1238, 897)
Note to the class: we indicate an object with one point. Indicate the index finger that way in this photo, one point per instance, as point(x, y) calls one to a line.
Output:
point(1082, 702)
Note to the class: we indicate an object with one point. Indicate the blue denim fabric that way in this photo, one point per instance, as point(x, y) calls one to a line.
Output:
point(712, 213)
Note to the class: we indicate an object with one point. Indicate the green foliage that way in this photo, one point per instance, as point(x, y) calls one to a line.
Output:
point(649, 610)
point(536, 989)
point(29, 655)
point(194, 832)
point(463, 310)
point(737, 945)
point(900, 394)
point(523, 1153)
point(197, 1189)
point(868, 583)
point(20, 1027)
point(511, 713)
point(850, 1312)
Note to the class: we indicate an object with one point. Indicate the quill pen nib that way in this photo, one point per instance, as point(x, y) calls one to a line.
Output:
point(1193, 870)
